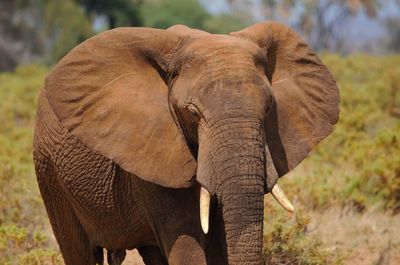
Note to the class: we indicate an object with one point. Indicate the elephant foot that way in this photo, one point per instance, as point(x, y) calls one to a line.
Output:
point(152, 255)
point(116, 257)
point(99, 255)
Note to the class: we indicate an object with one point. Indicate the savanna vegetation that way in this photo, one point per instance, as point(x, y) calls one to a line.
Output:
point(357, 167)
point(45, 30)
point(24, 230)
point(353, 171)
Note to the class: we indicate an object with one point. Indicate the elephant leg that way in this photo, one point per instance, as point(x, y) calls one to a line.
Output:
point(186, 250)
point(75, 246)
point(174, 217)
point(99, 255)
point(72, 240)
point(152, 255)
point(116, 257)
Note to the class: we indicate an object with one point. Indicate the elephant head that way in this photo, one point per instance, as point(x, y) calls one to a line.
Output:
point(232, 112)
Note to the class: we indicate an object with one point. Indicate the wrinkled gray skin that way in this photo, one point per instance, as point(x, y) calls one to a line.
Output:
point(220, 99)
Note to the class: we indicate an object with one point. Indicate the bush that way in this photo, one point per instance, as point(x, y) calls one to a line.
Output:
point(20, 201)
point(21, 208)
point(286, 242)
point(17, 244)
point(359, 163)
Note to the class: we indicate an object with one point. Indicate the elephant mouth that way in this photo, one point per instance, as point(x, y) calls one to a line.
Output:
point(205, 199)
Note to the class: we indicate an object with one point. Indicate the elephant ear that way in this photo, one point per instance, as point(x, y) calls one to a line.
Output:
point(110, 93)
point(306, 95)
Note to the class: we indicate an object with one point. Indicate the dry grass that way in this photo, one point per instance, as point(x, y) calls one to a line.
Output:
point(349, 238)
point(357, 168)
point(372, 237)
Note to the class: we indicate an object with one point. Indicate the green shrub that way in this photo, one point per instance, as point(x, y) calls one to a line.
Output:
point(22, 215)
point(20, 201)
point(18, 244)
point(359, 163)
point(40, 257)
point(286, 242)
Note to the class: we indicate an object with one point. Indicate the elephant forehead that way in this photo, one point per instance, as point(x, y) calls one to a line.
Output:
point(223, 46)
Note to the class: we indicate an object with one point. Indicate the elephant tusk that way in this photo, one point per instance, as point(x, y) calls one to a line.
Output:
point(280, 196)
point(204, 209)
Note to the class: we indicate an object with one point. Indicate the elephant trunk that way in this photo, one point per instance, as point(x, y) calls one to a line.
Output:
point(241, 172)
point(242, 209)
point(244, 221)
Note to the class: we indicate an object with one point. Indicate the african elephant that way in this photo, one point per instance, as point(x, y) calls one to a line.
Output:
point(167, 140)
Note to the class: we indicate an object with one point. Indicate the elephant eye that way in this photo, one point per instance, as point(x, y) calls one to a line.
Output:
point(268, 108)
point(193, 111)
point(270, 104)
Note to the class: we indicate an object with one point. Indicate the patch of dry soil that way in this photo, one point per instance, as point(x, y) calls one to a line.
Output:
point(371, 238)
point(133, 258)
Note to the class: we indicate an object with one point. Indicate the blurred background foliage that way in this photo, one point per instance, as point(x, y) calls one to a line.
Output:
point(356, 168)
point(45, 30)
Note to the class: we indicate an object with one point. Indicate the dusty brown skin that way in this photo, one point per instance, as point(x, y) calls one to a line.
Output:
point(134, 120)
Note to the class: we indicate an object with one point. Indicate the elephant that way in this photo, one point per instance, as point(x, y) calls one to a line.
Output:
point(167, 140)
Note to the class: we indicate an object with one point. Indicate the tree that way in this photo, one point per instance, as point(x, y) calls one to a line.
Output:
point(320, 21)
point(393, 26)
point(163, 14)
point(65, 27)
point(117, 12)
point(235, 18)
point(20, 30)
point(225, 23)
